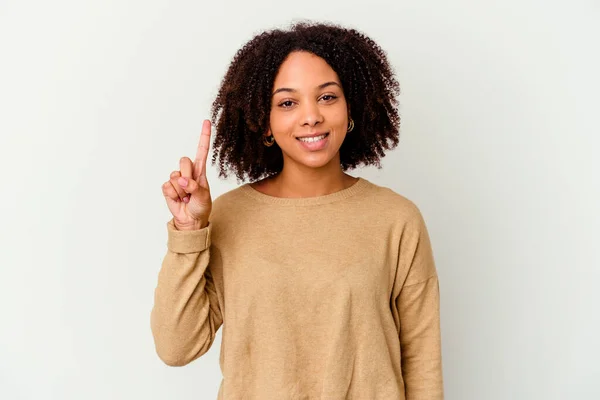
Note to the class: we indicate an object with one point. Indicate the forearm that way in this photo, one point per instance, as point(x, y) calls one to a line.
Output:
point(420, 340)
point(183, 320)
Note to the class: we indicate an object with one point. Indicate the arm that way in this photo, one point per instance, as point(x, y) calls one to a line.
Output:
point(186, 314)
point(418, 306)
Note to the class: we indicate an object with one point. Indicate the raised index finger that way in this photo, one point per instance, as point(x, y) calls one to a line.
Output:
point(202, 153)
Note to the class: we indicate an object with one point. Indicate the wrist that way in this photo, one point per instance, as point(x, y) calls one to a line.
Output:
point(193, 226)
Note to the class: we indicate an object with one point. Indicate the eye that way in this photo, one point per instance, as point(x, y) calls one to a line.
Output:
point(329, 97)
point(286, 104)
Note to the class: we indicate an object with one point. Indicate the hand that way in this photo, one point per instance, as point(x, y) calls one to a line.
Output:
point(187, 192)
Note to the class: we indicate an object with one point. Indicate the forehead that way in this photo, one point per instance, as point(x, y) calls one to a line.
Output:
point(303, 70)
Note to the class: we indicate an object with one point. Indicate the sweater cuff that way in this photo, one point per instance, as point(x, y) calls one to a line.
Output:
point(185, 242)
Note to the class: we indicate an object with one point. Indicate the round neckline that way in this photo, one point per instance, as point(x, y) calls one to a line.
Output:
point(357, 187)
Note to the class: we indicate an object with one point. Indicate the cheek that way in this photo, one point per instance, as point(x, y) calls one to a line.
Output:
point(338, 114)
point(280, 121)
point(339, 122)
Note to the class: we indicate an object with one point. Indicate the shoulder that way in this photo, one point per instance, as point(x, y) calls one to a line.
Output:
point(394, 210)
point(392, 203)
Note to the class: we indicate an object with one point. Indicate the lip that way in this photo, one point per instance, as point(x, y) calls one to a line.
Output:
point(314, 146)
point(312, 135)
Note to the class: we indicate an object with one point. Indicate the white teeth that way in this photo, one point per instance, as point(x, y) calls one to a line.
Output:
point(313, 139)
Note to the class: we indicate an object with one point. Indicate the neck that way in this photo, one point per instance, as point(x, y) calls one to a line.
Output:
point(299, 181)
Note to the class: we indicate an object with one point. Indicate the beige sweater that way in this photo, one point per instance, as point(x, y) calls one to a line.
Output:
point(332, 297)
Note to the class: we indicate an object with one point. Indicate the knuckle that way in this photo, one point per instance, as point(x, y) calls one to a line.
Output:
point(175, 174)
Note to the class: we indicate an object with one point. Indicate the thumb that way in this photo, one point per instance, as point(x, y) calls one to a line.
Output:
point(188, 185)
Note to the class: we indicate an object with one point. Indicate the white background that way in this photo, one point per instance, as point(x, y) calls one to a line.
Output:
point(499, 149)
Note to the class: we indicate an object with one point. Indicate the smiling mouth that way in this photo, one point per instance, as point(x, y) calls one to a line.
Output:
point(313, 139)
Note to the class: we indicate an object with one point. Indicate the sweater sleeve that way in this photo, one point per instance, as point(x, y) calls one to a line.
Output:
point(418, 310)
point(186, 313)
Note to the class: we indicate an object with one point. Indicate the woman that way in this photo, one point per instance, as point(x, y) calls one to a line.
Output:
point(325, 283)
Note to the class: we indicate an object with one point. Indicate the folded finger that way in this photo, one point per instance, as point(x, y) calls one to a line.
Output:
point(180, 192)
point(169, 191)
point(186, 167)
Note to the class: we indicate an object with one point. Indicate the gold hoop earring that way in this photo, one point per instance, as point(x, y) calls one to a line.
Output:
point(270, 142)
point(351, 125)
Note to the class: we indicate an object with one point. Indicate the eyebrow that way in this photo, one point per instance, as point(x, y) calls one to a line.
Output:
point(321, 86)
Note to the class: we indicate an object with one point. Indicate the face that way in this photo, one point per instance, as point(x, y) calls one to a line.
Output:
point(308, 100)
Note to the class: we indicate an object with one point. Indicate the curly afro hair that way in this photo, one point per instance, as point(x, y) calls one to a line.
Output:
point(242, 107)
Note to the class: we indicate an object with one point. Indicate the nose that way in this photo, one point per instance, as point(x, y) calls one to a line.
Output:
point(311, 114)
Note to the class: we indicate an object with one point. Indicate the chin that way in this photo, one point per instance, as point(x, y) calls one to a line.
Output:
point(316, 161)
